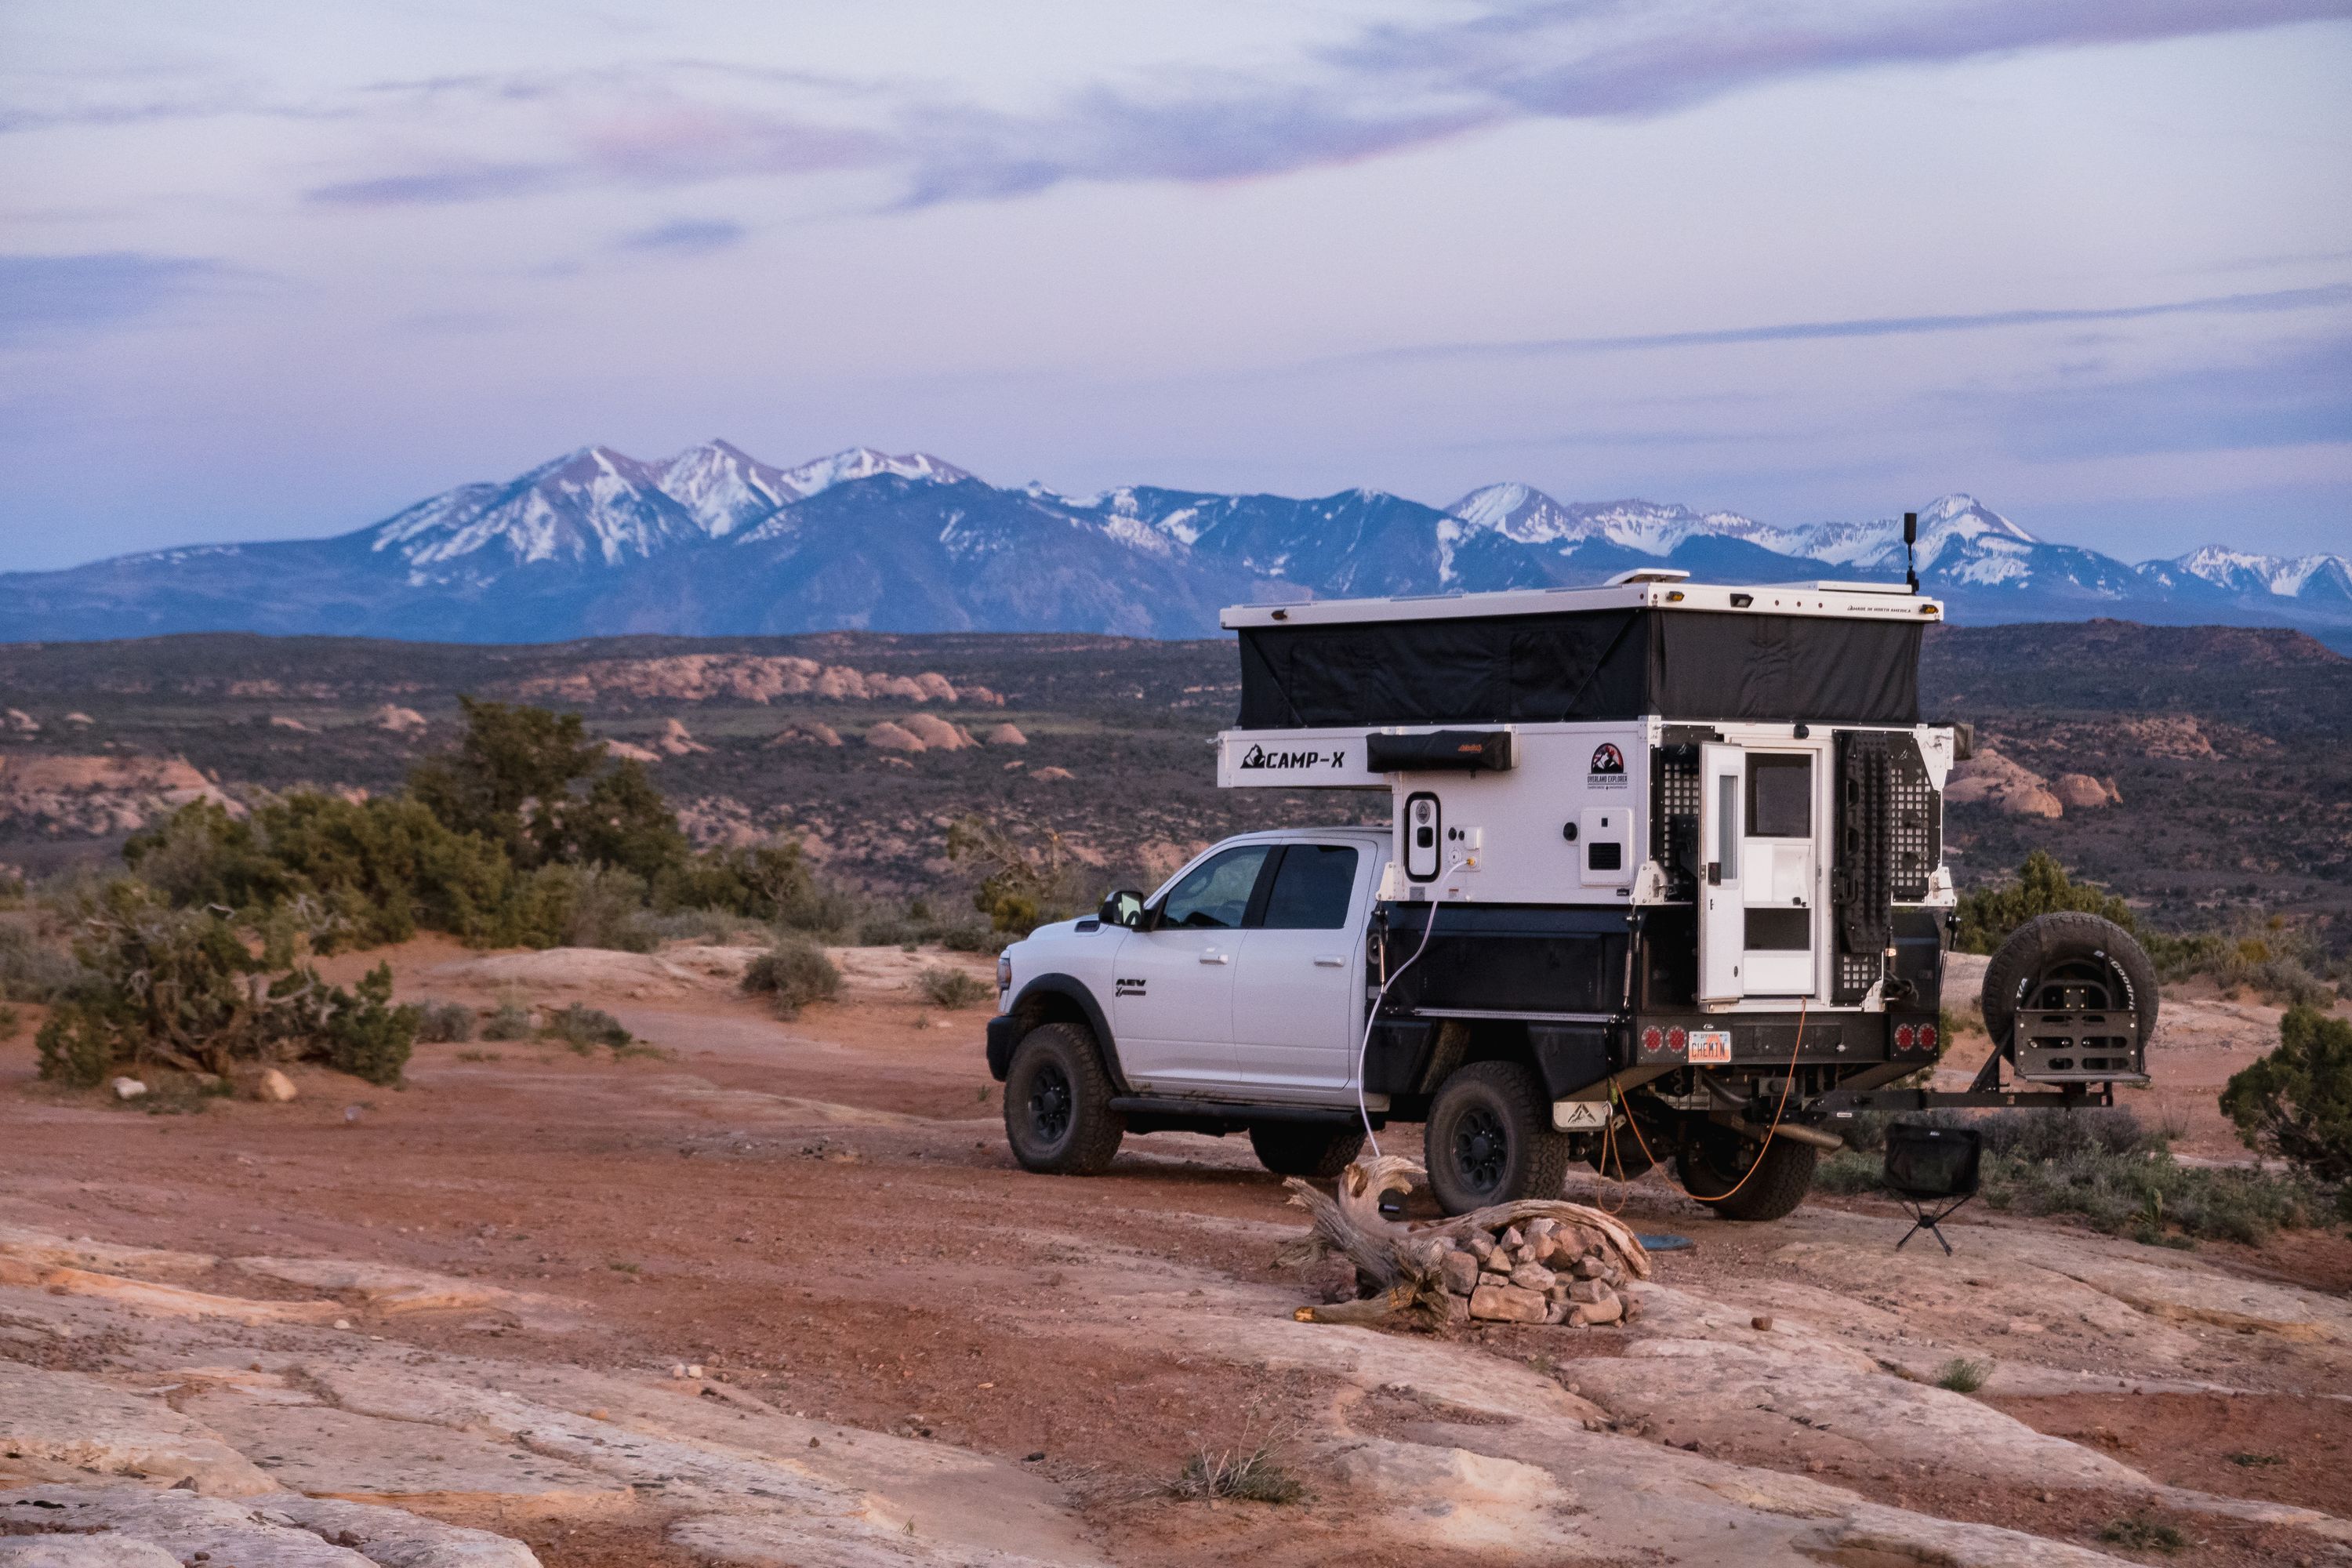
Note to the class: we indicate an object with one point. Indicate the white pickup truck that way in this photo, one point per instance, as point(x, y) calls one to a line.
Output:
point(1234, 998)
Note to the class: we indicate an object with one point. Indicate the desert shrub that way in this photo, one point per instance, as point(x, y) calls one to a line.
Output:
point(2281, 960)
point(365, 1035)
point(2296, 1102)
point(975, 938)
point(945, 987)
point(603, 907)
point(2143, 1533)
point(2104, 1166)
point(33, 969)
point(1022, 886)
point(792, 975)
point(583, 1027)
point(1251, 1475)
point(888, 930)
point(511, 778)
point(721, 928)
point(198, 990)
point(373, 870)
point(1989, 914)
point(509, 1020)
point(445, 1023)
point(1961, 1375)
point(11, 1021)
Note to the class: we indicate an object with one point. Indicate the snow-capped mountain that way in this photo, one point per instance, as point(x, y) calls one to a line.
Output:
point(2317, 578)
point(714, 541)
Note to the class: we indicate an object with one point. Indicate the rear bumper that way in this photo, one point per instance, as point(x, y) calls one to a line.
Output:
point(1004, 1034)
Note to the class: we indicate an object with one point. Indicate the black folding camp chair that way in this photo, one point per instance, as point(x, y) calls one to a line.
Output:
point(1928, 1166)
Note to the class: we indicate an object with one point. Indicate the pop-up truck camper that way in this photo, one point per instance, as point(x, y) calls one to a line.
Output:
point(1663, 879)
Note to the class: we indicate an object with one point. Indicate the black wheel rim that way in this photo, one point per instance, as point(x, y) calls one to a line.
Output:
point(2090, 984)
point(1049, 1103)
point(1482, 1148)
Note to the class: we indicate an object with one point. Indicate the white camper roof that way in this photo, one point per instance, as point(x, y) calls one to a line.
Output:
point(1836, 601)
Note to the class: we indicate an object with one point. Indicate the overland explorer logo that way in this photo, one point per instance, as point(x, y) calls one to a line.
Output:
point(1608, 768)
point(1259, 757)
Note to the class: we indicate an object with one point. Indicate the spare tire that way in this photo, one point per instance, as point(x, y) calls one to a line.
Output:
point(2069, 960)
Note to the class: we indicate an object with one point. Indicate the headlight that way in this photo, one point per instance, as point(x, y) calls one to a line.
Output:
point(1003, 972)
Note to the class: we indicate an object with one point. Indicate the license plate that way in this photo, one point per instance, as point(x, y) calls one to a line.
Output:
point(1710, 1045)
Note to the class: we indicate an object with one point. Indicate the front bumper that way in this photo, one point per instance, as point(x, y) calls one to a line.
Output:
point(1004, 1034)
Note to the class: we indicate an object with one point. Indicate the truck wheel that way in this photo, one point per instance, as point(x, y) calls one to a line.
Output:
point(1490, 1139)
point(1765, 1181)
point(2068, 951)
point(1057, 1113)
point(1306, 1148)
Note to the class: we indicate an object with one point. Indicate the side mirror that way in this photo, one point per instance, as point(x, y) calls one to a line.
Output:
point(1964, 741)
point(1124, 907)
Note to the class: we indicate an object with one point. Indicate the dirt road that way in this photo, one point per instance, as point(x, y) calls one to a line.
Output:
point(777, 1294)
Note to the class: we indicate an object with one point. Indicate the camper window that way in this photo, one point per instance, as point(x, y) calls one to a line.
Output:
point(1780, 796)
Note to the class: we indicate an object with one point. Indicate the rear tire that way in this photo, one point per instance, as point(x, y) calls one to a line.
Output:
point(1762, 1184)
point(1057, 1113)
point(1489, 1139)
point(1306, 1148)
point(2068, 950)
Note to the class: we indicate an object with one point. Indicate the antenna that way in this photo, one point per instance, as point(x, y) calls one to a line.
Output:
point(1910, 538)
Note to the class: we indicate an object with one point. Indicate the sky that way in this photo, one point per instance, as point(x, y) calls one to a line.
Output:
point(273, 271)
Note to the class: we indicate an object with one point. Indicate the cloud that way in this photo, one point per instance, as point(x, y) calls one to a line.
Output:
point(690, 237)
point(474, 183)
point(2298, 397)
point(45, 295)
point(1390, 87)
point(2265, 303)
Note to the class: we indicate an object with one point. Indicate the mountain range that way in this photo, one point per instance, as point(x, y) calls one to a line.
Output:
point(714, 542)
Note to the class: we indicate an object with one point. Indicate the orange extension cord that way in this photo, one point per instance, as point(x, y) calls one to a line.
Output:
point(1609, 1133)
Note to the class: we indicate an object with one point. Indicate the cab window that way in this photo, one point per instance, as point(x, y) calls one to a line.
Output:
point(1312, 888)
point(1216, 893)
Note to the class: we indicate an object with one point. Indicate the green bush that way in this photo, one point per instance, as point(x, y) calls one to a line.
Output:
point(1989, 914)
point(32, 970)
point(445, 1023)
point(1962, 1376)
point(944, 987)
point(2104, 1166)
point(511, 1020)
point(583, 1027)
point(2271, 957)
point(2296, 1102)
point(1022, 886)
point(10, 1022)
point(792, 975)
point(197, 990)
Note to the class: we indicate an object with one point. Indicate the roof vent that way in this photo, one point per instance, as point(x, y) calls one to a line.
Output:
point(1650, 574)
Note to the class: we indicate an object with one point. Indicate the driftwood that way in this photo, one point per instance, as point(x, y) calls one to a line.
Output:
point(1403, 1264)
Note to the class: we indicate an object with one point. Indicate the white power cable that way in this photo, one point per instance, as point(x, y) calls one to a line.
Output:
point(1372, 1014)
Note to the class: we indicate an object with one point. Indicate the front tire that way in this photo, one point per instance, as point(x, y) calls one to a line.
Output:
point(1057, 1113)
point(1741, 1180)
point(1489, 1139)
point(1306, 1148)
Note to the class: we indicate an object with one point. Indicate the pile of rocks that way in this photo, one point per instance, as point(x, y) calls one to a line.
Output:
point(1544, 1271)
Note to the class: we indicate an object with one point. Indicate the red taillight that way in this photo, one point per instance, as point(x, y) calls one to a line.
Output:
point(1926, 1037)
point(1676, 1039)
point(1652, 1038)
point(1904, 1038)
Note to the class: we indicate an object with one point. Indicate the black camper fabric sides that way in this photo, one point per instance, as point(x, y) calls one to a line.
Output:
point(1602, 664)
point(1473, 669)
point(1788, 667)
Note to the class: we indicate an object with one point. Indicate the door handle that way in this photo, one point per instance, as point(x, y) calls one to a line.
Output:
point(1212, 958)
point(1331, 963)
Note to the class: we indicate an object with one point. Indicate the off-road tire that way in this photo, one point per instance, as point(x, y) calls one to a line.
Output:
point(1057, 1113)
point(1489, 1139)
point(1314, 1149)
point(2053, 942)
point(1715, 1160)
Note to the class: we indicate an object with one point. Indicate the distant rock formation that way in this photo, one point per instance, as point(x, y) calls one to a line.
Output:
point(890, 737)
point(1007, 735)
point(676, 740)
point(2081, 791)
point(90, 796)
point(399, 721)
point(2009, 787)
point(807, 732)
point(747, 678)
point(937, 734)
